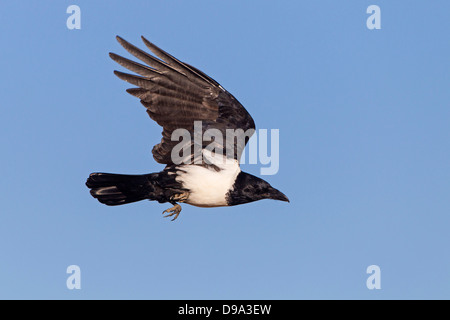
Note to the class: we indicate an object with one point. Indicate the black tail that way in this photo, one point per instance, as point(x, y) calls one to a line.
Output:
point(116, 189)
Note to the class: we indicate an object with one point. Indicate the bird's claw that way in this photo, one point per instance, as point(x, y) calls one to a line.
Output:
point(174, 211)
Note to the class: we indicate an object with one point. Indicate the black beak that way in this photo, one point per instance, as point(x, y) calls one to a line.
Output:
point(278, 195)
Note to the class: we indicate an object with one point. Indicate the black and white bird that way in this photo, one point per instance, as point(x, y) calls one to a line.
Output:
point(176, 95)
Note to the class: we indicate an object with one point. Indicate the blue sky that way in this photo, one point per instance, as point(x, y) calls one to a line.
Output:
point(364, 151)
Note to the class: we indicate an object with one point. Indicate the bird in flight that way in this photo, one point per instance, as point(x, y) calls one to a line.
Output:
point(179, 96)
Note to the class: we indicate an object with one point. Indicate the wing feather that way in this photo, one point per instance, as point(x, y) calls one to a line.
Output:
point(176, 95)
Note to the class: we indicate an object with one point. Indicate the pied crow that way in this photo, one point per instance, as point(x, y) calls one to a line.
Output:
point(177, 96)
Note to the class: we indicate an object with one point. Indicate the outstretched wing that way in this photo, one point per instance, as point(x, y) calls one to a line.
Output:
point(178, 95)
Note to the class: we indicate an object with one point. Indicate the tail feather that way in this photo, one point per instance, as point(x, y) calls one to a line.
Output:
point(116, 189)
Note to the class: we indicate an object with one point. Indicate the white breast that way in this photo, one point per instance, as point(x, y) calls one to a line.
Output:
point(208, 187)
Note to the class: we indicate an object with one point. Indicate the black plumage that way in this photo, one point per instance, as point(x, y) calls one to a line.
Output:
point(177, 94)
point(248, 188)
point(116, 189)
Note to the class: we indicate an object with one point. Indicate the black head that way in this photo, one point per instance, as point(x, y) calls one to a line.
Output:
point(248, 188)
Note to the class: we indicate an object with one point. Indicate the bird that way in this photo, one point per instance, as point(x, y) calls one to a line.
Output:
point(178, 96)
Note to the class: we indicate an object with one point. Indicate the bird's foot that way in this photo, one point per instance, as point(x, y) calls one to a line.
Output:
point(180, 197)
point(174, 211)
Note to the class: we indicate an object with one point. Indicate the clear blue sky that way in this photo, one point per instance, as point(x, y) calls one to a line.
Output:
point(364, 119)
